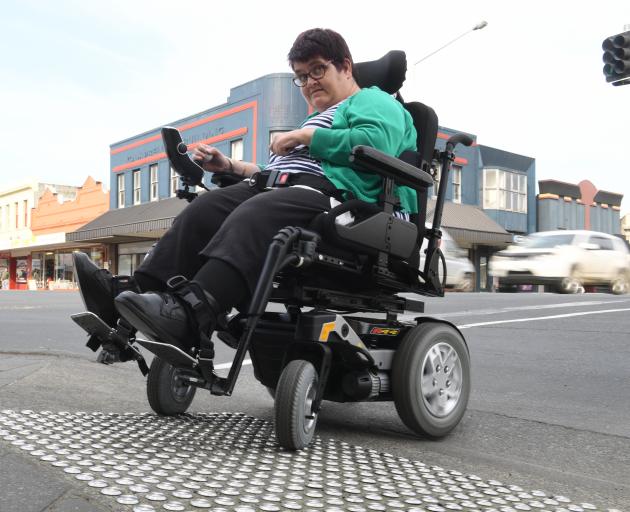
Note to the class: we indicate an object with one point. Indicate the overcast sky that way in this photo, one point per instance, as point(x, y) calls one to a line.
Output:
point(77, 76)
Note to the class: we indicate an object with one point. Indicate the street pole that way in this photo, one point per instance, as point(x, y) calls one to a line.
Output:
point(478, 26)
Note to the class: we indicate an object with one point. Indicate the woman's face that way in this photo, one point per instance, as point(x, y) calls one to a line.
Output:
point(331, 86)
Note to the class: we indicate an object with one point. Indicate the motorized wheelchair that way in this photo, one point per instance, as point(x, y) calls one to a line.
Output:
point(340, 337)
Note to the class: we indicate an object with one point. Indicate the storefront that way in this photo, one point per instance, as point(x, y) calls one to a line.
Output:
point(4, 270)
point(130, 256)
point(50, 269)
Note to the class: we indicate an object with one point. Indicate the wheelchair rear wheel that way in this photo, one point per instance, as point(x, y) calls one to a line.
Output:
point(295, 395)
point(431, 379)
point(167, 393)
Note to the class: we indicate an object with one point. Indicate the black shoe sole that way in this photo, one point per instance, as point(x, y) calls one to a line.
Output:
point(106, 312)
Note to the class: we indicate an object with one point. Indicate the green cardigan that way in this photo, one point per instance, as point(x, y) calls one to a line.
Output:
point(373, 118)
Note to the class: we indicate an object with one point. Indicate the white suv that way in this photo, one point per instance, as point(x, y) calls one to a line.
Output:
point(566, 260)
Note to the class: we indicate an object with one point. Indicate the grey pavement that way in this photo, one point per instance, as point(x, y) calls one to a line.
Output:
point(550, 407)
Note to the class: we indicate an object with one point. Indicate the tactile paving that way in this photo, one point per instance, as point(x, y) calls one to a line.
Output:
point(231, 462)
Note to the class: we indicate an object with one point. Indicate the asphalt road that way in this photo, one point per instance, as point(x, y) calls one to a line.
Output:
point(549, 407)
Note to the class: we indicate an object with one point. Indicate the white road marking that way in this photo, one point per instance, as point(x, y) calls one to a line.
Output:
point(226, 366)
point(533, 307)
point(531, 319)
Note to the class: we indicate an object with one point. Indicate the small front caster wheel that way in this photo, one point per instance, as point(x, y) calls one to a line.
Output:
point(167, 391)
point(295, 397)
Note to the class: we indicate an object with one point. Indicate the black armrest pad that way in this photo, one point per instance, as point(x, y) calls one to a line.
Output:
point(225, 179)
point(366, 158)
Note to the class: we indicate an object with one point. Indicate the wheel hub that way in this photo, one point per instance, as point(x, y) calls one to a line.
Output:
point(441, 379)
point(310, 417)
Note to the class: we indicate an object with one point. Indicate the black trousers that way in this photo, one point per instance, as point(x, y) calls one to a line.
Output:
point(234, 224)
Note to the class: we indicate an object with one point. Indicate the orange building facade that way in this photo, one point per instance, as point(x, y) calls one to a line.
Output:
point(34, 253)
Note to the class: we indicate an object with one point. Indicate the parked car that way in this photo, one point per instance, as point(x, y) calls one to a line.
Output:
point(565, 260)
point(460, 272)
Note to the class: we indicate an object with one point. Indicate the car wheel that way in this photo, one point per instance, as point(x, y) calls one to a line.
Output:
point(620, 285)
point(572, 283)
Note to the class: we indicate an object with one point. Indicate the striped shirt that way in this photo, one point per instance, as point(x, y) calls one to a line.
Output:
point(299, 158)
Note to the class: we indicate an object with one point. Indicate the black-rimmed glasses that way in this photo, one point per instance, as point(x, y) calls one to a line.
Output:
point(317, 72)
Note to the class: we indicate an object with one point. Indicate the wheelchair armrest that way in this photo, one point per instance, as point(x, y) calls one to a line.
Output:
point(369, 159)
point(225, 179)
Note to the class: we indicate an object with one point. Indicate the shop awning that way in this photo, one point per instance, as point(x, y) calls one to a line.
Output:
point(147, 220)
point(469, 225)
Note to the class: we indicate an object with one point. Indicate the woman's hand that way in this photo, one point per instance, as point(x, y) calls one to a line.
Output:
point(283, 143)
point(211, 159)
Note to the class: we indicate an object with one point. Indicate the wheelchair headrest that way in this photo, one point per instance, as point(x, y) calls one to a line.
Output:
point(387, 73)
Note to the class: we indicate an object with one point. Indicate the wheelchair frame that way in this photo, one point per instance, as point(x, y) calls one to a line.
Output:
point(341, 357)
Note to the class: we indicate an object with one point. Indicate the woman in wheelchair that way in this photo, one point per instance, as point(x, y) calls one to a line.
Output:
point(211, 258)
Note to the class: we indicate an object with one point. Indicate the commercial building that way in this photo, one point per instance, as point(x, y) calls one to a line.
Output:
point(497, 183)
point(564, 205)
point(34, 220)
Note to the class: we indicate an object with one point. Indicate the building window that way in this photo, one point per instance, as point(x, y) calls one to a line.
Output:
point(137, 186)
point(121, 190)
point(17, 215)
point(236, 149)
point(504, 190)
point(173, 182)
point(457, 183)
point(153, 173)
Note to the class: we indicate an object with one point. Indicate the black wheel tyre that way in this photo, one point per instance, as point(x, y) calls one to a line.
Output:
point(295, 393)
point(166, 392)
point(431, 379)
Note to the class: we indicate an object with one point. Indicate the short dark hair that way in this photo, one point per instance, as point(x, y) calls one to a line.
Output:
point(320, 42)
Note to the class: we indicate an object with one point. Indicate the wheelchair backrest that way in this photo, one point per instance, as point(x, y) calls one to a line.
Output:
point(388, 74)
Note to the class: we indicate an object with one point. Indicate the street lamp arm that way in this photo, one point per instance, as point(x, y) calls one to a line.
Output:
point(478, 26)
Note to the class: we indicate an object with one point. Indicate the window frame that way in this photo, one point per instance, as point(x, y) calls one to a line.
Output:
point(173, 182)
point(154, 180)
point(237, 149)
point(509, 190)
point(456, 181)
point(137, 186)
point(120, 185)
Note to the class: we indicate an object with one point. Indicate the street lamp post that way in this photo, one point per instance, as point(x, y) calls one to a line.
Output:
point(478, 26)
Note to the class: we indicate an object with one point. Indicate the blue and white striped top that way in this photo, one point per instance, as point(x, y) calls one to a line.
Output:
point(299, 158)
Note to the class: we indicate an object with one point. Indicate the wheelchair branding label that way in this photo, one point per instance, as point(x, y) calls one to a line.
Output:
point(383, 331)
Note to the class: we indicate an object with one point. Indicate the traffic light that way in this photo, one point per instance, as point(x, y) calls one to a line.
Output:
point(617, 58)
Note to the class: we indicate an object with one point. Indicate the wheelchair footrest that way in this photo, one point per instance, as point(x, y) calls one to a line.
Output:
point(115, 348)
point(169, 353)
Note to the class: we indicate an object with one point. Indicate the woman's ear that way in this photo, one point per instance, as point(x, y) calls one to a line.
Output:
point(347, 67)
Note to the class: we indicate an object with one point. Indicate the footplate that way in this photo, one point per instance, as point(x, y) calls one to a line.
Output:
point(174, 355)
point(115, 347)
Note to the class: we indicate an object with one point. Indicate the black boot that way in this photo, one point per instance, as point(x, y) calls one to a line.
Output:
point(98, 287)
point(185, 316)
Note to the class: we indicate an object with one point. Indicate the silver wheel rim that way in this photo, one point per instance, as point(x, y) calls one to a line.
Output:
point(179, 390)
point(441, 379)
point(571, 284)
point(309, 416)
